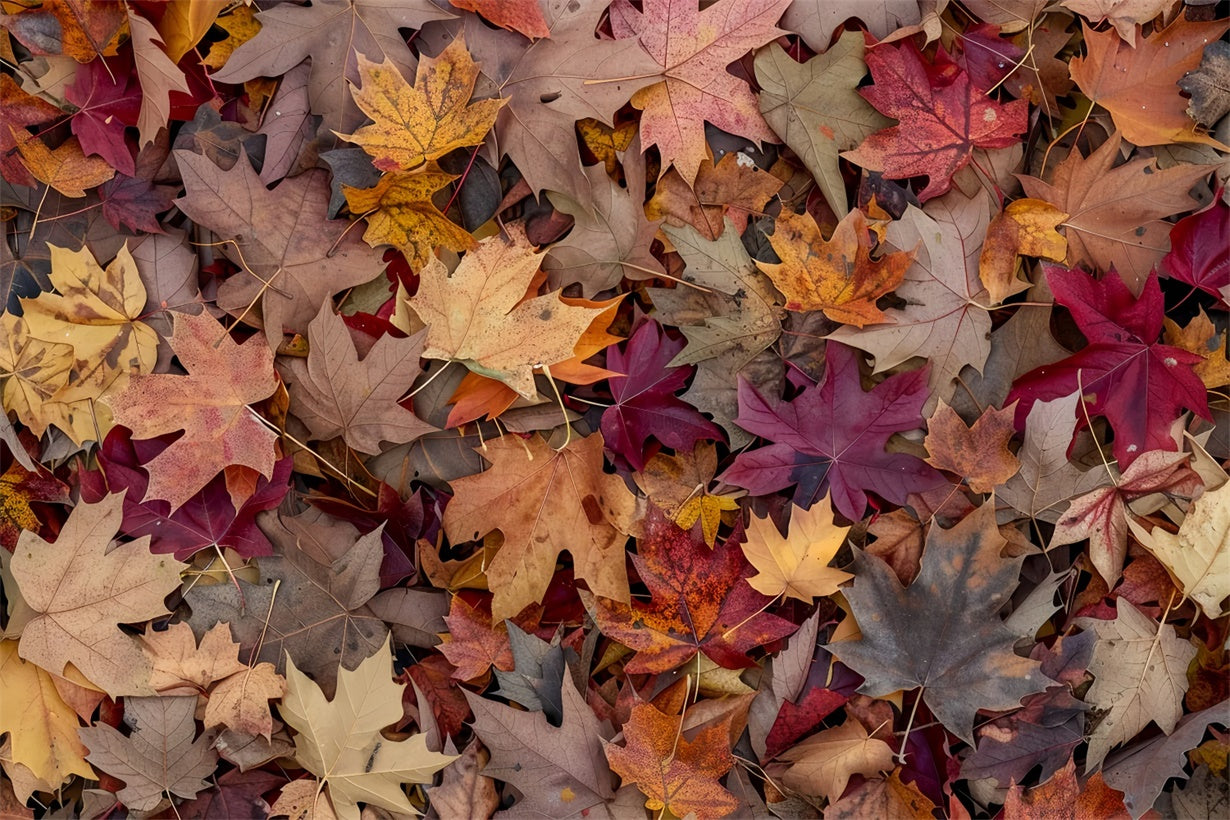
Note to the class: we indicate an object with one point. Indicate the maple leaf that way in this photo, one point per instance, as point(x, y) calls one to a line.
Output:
point(675, 774)
point(479, 314)
point(1116, 212)
point(1102, 515)
point(1061, 795)
point(339, 740)
point(161, 757)
point(80, 29)
point(544, 501)
point(336, 394)
point(944, 318)
point(66, 169)
point(733, 186)
point(831, 438)
point(816, 20)
point(108, 99)
point(79, 593)
point(1025, 227)
point(19, 110)
point(979, 452)
point(796, 565)
point(815, 108)
point(1209, 103)
point(1201, 337)
point(823, 764)
point(334, 33)
point(882, 797)
point(400, 213)
point(1124, 374)
point(1136, 81)
point(19, 488)
point(474, 643)
point(1140, 675)
point(692, 49)
point(210, 404)
point(1196, 555)
point(941, 118)
point(1200, 251)
point(415, 124)
point(522, 16)
point(942, 633)
point(183, 25)
point(699, 603)
point(836, 275)
point(559, 769)
point(643, 389)
point(40, 725)
point(159, 77)
point(33, 371)
point(551, 83)
point(292, 256)
point(679, 486)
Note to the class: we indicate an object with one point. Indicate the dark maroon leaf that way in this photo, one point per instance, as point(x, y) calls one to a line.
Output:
point(832, 436)
point(109, 98)
point(645, 401)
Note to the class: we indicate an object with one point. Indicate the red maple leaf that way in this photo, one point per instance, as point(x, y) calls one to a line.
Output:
point(1139, 385)
point(645, 402)
point(832, 436)
point(700, 602)
point(942, 117)
point(1200, 250)
point(108, 96)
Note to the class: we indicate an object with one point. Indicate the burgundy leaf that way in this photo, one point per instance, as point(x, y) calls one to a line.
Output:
point(1200, 250)
point(109, 97)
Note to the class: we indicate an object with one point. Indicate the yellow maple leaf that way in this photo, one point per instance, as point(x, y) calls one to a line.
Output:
point(33, 371)
point(1024, 228)
point(1201, 337)
point(679, 485)
point(340, 742)
point(796, 565)
point(413, 124)
point(97, 311)
point(67, 168)
point(1196, 556)
point(480, 316)
point(400, 213)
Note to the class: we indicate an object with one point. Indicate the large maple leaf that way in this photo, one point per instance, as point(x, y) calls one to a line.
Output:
point(1139, 385)
point(292, 256)
point(210, 404)
point(942, 117)
point(942, 633)
point(645, 404)
point(700, 602)
point(544, 501)
point(833, 436)
point(692, 49)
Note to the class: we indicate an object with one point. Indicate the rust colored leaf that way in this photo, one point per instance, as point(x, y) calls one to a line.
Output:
point(978, 452)
point(66, 169)
point(1064, 796)
point(1025, 228)
point(522, 16)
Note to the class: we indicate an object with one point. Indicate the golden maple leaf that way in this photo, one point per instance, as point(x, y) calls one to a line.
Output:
point(400, 213)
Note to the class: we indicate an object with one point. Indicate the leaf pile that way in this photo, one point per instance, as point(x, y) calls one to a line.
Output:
point(620, 408)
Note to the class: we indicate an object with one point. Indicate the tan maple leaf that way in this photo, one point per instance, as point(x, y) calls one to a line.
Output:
point(797, 565)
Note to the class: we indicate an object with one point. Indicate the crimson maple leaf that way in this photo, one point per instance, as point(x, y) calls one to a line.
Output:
point(645, 402)
point(700, 602)
point(1139, 385)
point(1200, 251)
point(942, 118)
point(833, 436)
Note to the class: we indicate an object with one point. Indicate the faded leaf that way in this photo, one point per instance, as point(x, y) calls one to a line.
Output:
point(797, 565)
point(979, 452)
point(1197, 555)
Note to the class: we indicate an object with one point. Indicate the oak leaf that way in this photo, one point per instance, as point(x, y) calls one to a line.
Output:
point(699, 603)
point(415, 124)
point(837, 275)
point(944, 318)
point(692, 48)
point(340, 740)
point(544, 501)
point(679, 486)
point(979, 452)
point(41, 726)
point(942, 633)
point(942, 117)
point(675, 773)
point(1102, 515)
point(1136, 81)
point(161, 757)
point(479, 314)
point(400, 213)
point(1025, 227)
point(796, 565)
point(291, 255)
point(1116, 212)
point(1140, 675)
point(210, 404)
point(815, 107)
point(337, 394)
point(823, 764)
point(1197, 554)
point(80, 592)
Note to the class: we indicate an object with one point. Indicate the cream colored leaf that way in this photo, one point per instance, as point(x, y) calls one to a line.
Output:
point(181, 668)
point(796, 565)
point(241, 701)
point(1199, 556)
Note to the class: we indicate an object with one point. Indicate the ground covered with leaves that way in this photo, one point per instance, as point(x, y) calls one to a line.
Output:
point(577, 408)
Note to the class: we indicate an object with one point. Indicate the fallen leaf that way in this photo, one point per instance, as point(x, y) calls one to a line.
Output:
point(19, 488)
point(1196, 556)
point(1063, 796)
point(210, 404)
point(823, 764)
point(80, 593)
point(19, 110)
point(162, 756)
point(522, 16)
point(679, 486)
point(81, 29)
point(979, 452)
point(942, 633)
point(1207, 84)
point(1200, 251)
point(733, 186)
point(183, 25)
point(464, 791)
point(66, 169)
point(797, 565)
point(415, 124)
point(1124, 15)
point(340, 740)
point(836, 275)
point(1025, 227)
point(33, 370)
point(159, 77)
point(475, 643)
point(1201, 337)
point(400, 212)
point(883, 797)
point(108, 100)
